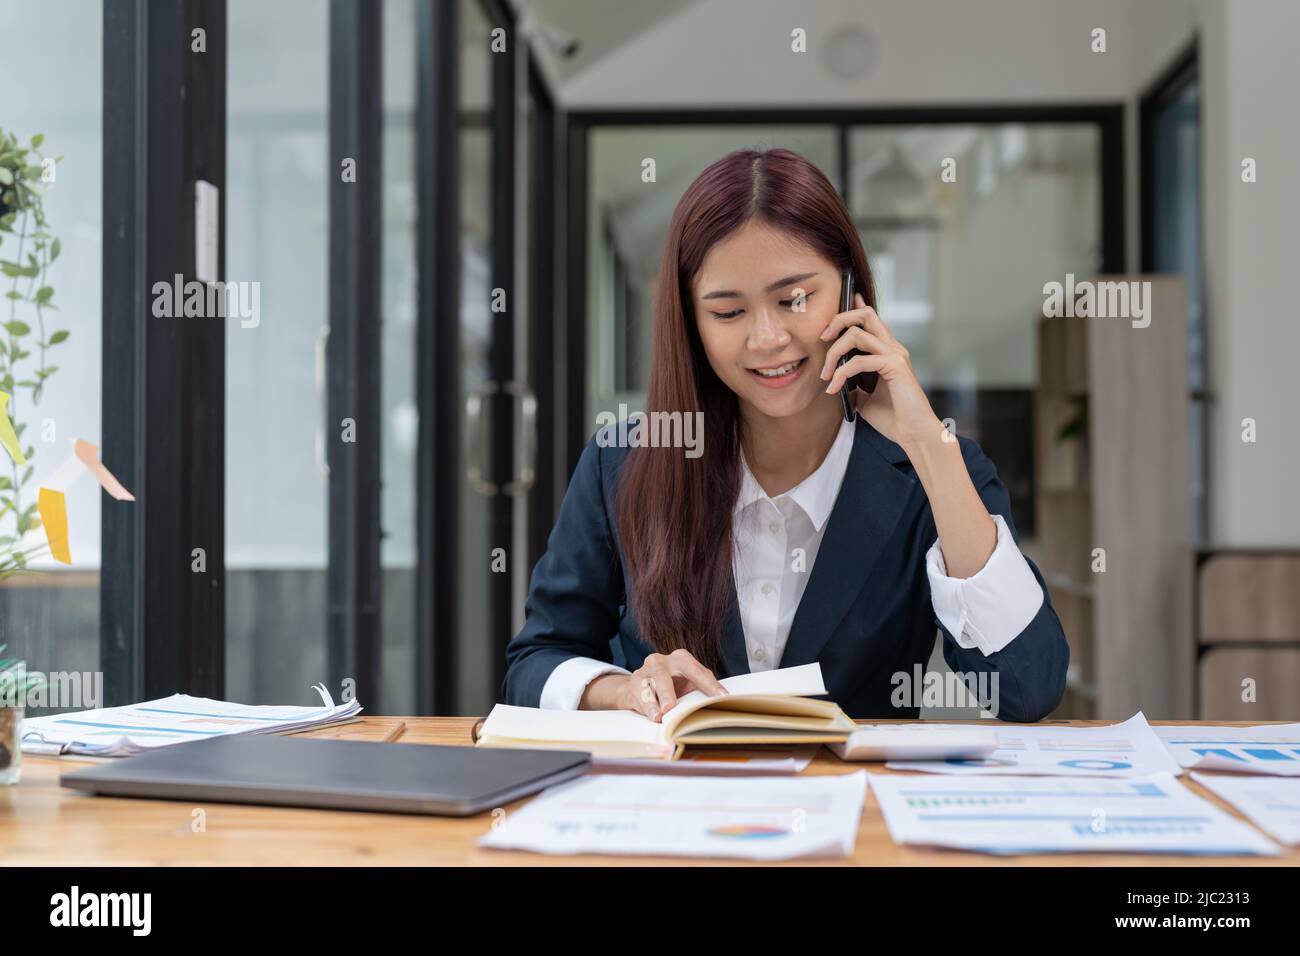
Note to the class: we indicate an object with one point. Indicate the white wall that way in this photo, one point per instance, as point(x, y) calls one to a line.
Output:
point(1252, 61)
point(1250, 73)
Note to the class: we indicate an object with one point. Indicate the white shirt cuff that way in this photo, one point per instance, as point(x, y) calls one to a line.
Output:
point(989, 609)
point(564, 688)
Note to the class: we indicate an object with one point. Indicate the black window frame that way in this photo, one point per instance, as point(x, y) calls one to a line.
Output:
point(1183, 70)
point(162, 623)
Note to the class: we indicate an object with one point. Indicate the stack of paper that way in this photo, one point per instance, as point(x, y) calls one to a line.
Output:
point(1273, 805)
point(123, 731)
point(715, 762)
point(1152, 814)
point(1273, 750)
point(1130, 749)
point(917, 742)
point(757, 818)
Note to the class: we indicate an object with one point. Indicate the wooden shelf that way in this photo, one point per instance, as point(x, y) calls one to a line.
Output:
point(1129, 627)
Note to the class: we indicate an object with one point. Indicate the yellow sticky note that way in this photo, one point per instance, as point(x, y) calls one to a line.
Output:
point(8, 437)
point(53, 507)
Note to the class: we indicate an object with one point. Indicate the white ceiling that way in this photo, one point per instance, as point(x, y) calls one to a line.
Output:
point(692, 53)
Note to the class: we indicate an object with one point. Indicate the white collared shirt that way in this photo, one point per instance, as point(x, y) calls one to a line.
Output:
point(776, 543)
point(777, 540)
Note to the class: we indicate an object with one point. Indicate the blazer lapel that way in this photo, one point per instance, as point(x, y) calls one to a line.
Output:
point(734, 656)
point(870, 502)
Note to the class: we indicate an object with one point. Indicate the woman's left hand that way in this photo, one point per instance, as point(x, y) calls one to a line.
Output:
point(900, 409)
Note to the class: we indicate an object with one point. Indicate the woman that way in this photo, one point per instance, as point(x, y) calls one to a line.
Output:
point(795, 536)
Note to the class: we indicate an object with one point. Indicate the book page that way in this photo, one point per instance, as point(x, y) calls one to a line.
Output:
point(802, 681)
point(588, 726)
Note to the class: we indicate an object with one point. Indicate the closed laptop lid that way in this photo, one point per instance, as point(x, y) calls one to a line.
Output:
point(339, 774)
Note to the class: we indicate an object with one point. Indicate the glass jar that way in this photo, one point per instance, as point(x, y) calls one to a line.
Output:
point(11, 735)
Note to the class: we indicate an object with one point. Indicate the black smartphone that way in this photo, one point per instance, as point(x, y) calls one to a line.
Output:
point(863, 380)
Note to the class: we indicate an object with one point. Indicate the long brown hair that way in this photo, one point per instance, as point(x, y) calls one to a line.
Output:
point(675, 512)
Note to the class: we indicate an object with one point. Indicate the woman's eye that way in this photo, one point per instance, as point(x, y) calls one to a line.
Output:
point(784, 303)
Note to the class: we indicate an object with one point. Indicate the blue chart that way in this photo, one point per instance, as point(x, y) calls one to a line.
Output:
point(1077, 763)
point(1095, 764)
point(1115, 828)
point(1250, 753)
point(1263, 749)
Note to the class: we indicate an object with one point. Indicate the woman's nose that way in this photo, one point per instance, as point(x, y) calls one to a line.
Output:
point(768, 331)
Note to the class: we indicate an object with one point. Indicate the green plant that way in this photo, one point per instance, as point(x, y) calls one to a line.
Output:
point(1077, 426)
point(27, 249)
point(16, 684)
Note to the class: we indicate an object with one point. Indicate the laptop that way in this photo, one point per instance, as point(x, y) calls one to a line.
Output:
point(333, 774)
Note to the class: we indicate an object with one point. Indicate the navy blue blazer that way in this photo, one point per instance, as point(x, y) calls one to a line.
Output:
point(865, 613)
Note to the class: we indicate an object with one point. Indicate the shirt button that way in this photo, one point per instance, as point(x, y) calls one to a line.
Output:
point(760, 654)
point(766, 589)
point(774, 527)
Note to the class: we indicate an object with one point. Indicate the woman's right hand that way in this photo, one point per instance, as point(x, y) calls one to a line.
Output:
point(653, 688)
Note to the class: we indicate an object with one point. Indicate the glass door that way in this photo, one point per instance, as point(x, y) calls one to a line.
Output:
point(277, 475)
point(500, 408)
point(455, 414)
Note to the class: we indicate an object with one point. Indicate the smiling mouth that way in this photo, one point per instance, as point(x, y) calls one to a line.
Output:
point(779, 374)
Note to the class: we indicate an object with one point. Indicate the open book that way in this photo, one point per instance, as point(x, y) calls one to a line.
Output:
point(770, 707)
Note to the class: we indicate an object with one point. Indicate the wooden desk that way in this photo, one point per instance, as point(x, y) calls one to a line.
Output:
point(42, 823)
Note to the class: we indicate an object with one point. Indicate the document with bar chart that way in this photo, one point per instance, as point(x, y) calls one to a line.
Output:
point(1271, 749)
point(1012, 815)
point(1129, 749)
